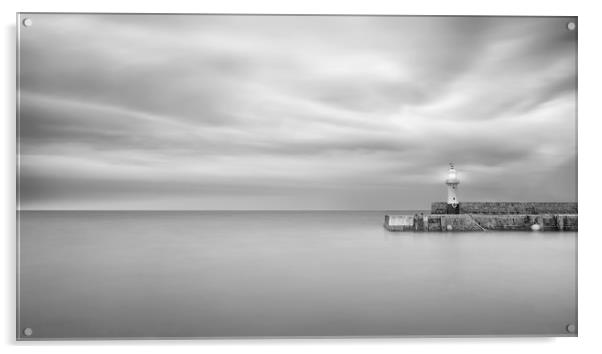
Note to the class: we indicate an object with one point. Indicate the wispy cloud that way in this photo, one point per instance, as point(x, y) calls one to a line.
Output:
point(268, 112)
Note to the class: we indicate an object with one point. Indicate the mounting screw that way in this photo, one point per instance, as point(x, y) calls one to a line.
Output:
point(571, 26)
point(27, 22)
point(28, 332)
point(571, 328)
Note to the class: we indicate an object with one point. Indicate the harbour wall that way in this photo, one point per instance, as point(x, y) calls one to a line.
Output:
point(481, 222)
point(521, 208)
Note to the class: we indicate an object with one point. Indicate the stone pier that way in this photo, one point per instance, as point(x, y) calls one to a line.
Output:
point(490, 216)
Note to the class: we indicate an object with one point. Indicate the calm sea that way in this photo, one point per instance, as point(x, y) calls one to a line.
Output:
point(90, 274)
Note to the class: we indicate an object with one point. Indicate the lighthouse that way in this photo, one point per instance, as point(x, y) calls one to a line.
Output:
point(452, 182)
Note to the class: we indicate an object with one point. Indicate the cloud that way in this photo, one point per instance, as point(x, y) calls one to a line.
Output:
point(308, 112)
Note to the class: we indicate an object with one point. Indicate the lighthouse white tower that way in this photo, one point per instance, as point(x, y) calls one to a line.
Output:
point(452, 182)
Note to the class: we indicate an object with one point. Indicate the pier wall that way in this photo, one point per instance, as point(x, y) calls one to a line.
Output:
point(480, 222)
point(526, 208)
point(399, 222)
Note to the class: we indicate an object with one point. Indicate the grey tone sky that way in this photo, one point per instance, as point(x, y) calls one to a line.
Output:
point(294, 112)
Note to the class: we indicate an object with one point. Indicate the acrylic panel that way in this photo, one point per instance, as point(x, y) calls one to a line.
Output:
point(203, 176)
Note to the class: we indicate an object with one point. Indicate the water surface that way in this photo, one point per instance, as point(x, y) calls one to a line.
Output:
point(88, 274)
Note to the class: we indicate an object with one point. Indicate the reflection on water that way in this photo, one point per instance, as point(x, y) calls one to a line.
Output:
point(199, 274)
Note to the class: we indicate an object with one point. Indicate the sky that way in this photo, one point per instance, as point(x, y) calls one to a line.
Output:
point(208, 112)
